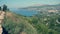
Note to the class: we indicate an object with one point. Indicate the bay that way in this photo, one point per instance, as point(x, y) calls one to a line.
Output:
point(24, 12)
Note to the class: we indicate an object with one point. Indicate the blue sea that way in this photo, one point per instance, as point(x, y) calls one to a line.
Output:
point(24, 12)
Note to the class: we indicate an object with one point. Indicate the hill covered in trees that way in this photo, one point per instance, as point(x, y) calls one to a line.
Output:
point(38, 24)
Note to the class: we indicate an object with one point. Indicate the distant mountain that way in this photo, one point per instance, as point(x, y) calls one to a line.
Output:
point(42, 6)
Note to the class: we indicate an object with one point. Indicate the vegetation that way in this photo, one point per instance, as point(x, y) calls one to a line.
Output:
point(0, 8)
point(39, 24)
point(4, 7)
point(16, 24)
point(42, 23)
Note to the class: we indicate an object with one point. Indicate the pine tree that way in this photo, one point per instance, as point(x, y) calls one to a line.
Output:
point(0, 8)
point(4, 7)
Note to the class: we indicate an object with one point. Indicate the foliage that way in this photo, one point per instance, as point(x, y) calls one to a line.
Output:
point(0, 8)
point(4, 7)
point(14, 26)
point(39, 24)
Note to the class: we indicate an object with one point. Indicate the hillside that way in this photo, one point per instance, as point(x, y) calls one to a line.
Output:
point(43, 7)
point(38, 24)
point(16, 24)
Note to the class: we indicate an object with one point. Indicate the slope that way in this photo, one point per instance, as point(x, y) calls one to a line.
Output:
point(17, 24)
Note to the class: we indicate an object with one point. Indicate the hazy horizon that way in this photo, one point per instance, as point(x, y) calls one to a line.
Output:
point(26, 3)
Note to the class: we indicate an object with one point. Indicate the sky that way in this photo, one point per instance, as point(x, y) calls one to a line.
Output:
point(26, 3)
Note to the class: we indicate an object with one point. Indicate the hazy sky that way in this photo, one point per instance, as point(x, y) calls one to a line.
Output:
point(25, 3)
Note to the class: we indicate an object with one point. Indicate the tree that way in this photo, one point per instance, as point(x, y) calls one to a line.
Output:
point(0, 8)
point(4, 7)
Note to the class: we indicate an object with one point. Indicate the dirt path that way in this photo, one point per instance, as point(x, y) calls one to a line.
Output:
point(2, 14)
